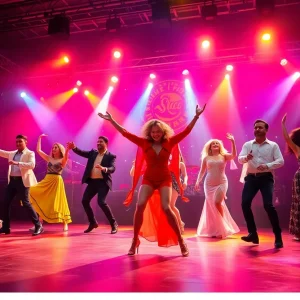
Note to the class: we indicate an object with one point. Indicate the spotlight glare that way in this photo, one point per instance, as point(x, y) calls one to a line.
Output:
point(152, 76)
point(23, 94)
point(75, 90)
point(114, 79)
point(86, 92)
point(185, 72)
point(266, 37)
point(283, 62)
point(150, 85)
point(79, 83)
point(227, 76)
point(117, 54)
point(66, 59)
point(229, 68)
point(296, 75)
point(205, 44)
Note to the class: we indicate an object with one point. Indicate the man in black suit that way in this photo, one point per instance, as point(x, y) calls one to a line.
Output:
point(97, 175)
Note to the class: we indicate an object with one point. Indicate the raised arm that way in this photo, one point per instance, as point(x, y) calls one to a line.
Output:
point(233, 153)
point(42, 154)
point(184, 174)
point(201, 174)
point(180, 136)
point(131, 137)
point(71, 145)
point(287, 138)
point(66, 157)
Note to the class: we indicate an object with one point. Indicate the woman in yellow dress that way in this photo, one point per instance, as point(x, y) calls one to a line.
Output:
point(48, 197)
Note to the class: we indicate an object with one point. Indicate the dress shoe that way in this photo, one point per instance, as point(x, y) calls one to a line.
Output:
point(4, 231)
point(114, 228)
point(91, 227)
point(38, 230)
point(251, 237)
point(278, 242)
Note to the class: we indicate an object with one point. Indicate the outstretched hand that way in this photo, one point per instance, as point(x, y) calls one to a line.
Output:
point(230, 136)
point(107, 116)
point(200, 110)
point(71, 145)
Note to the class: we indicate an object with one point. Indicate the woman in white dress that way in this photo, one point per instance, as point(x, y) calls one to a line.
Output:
point(215, 220)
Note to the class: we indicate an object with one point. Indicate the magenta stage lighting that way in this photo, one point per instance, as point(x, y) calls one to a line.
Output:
point(23, 94)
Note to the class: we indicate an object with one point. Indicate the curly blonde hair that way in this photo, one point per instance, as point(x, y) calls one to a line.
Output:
point(166, 129)
point(61, 149)
point(206, 151)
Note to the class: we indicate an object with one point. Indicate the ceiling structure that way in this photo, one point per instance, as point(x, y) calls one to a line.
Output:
point(28, 20)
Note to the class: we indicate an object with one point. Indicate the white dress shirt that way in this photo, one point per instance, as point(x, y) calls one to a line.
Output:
point(267, 153)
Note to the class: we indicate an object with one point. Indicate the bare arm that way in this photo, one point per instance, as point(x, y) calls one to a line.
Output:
point(202, 172)
point(65, 158)
point(287, 138)
point(39, 148)
point(233, 154)
point(184, 173)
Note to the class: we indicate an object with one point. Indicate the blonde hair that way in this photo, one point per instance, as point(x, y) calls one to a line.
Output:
point(166, 129)
point(206, 151)
point(61, 149)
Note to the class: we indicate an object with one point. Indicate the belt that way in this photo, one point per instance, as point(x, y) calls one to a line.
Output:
point(260, 174)
point(15, 177)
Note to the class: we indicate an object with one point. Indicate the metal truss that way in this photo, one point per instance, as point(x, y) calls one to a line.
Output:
point(183, 60)
point(29, 19)
point(9, 66)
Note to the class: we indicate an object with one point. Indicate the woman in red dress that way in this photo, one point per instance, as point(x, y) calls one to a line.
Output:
point(155, 147)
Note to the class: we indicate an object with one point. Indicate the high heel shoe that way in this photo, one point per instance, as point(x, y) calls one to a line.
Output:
point(184, 249)
point(134, 246)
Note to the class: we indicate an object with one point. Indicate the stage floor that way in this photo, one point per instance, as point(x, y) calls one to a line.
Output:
point(97, 262)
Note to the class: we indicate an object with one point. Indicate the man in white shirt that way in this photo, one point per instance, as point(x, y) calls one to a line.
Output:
point(261, 157)
point(20, 178)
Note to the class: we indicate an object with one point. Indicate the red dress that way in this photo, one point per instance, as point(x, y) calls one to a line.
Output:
point(157, 174)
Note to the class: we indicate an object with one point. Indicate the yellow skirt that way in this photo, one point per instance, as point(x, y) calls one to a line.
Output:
point(49, 200)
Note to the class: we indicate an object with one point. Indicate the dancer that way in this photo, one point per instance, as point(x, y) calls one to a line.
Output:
point(156, 147)
point(176, 191)
point(48, 197)
point(261, 157)
point(97, 175)
point(215, 220)
point(20, 178)
point(293, 143)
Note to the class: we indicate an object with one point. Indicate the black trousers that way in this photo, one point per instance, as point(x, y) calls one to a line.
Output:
point(13, 189)
point(100, 188)
point(265, 184)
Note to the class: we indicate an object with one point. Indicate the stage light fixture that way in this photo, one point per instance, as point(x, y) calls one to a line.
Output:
point(114, 79)
point(283, 62)
point(152, 76)
point(205, 44)
point(59, 24)
point(23, 94)
point(185, 72)
point(113, 24)
point(265, 7)
point(209, 11)
point(78, 83)
point(160, 10)
point(75, 90)
point(229, 68)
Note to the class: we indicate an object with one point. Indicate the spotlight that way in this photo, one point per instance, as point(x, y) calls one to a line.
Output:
point(23, 94)
point(266, 37)
point(152, 76)
point(78, 83)
point(283, 62)
point(117, 54)
point(205, 44)
point(66, 59)
point(114, 79)
point(75, 90)
point(296, 75)
point(227, 76)
point(185, 72)
point(229, 68)
point(86, 92)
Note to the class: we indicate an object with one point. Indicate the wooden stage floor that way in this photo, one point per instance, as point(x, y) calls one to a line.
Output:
point(97, 262)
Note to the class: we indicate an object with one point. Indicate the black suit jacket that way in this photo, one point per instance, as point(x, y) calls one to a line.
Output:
point(108, 162)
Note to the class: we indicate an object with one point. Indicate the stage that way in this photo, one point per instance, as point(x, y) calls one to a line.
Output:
point(98, 262)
